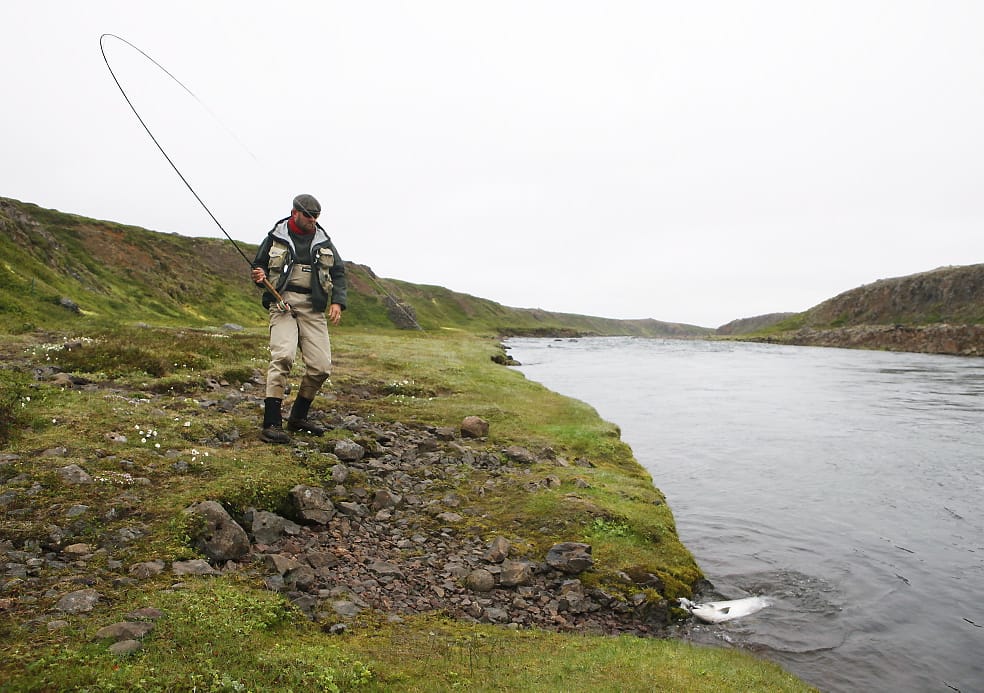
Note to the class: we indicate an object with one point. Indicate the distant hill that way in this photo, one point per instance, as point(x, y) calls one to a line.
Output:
point(940, 311)
point(56, 268)
point(752, 325)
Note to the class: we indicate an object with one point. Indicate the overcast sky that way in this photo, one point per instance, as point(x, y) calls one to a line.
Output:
point(691, 161)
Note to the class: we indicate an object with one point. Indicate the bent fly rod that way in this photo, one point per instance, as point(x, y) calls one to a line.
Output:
point(281, 303)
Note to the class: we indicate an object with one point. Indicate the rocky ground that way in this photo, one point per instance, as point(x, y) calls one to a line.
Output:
point(385, 537)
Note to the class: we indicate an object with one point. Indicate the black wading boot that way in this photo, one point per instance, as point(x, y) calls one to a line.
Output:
point(273, 431)
point(299, 421)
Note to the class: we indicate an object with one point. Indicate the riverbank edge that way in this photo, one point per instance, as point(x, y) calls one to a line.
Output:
point(942, 339)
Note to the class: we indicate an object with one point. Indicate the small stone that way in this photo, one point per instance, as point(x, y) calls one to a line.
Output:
point(498, 550)
point(516, 573)
point(570, 557)
point(125, 647)
point(480, 580)
point(519, 454)
point(147, 613)
point(79, 601)
point(77, 550)
point(385, 568)
point(349, 451)
point(346, 609)
point(282, 564)
point(196, 566)
point(74, 474)
point(124, 630)
point(148, 569)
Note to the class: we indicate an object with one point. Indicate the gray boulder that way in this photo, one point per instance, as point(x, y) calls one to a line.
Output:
point(221, 538)
point(516, 573)
point(499, 549)
point(269, 527)
point(311, 504)
point(570, 557)
point(480, 580)
point(474, 427)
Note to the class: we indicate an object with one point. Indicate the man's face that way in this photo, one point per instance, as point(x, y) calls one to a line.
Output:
point(305, 220)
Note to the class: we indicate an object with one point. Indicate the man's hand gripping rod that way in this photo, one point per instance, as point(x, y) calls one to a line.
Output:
point(282, 305)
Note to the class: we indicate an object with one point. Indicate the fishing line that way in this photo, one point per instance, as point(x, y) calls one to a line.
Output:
point(266, 283)
point(102, 49)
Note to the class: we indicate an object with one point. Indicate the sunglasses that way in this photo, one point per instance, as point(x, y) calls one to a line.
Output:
point(309, 216)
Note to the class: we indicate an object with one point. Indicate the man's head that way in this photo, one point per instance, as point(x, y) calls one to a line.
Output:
point(307, 204)
point(305, 211)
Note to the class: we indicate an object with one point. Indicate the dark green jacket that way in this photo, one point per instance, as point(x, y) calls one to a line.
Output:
point(276, 256)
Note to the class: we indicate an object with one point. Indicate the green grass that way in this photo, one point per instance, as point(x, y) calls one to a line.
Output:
point(425, 653)
point(229, 633)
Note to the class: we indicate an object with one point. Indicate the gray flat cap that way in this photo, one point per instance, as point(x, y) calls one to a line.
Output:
point(307, 204)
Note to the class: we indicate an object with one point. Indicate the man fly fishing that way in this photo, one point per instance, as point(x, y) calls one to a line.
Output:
point(298, 260)
point(302, 276)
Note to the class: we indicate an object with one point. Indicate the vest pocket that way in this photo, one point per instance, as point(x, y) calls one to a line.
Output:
point(278, 258)
point(325, 261)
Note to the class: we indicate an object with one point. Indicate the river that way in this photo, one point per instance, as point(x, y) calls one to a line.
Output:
point(846, 485)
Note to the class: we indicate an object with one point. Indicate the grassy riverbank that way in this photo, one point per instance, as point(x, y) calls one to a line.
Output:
point(228, 632)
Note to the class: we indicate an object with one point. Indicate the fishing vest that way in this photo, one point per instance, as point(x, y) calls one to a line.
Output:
point(286, 274)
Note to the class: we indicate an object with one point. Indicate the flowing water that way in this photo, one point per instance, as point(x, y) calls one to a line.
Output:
point(846, 485)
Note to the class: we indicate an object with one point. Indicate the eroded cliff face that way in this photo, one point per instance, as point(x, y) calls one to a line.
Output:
point(947, 295)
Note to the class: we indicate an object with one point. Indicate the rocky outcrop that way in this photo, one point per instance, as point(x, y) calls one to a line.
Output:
point(935, 312)
point(953, 295)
